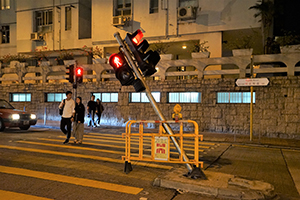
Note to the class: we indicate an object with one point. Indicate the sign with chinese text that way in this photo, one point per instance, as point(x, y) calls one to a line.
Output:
point(252, 82)
point(161, 148)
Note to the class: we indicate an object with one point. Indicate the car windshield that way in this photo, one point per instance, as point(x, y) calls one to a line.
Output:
point(5, 104)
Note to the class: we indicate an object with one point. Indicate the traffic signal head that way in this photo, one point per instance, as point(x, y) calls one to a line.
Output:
point(79, 74)
point(70, 73)
point(122, 70)
point(146, 60)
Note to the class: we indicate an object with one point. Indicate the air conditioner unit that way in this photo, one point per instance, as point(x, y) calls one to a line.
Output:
point(186, 12)
point(119, 21)
point(34, 36)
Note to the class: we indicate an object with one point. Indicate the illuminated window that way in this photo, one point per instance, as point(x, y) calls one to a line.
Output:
point(141, 97)
point(55, 97)
point(107, 97)
point(20, 97)
point(4, 4)
point(235, 97)
point(184, 97)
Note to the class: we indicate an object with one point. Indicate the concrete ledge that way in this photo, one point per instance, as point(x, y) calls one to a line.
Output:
point(218, 185)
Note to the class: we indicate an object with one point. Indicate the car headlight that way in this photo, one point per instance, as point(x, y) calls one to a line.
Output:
point(32, 116)
point(15, 116)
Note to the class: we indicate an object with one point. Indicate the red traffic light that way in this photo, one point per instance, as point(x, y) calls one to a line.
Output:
point(116, 60)
point(79, 75)
point(137, 37)
point(79, 71)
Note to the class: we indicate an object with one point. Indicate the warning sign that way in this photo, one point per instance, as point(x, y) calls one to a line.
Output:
point(161, 148)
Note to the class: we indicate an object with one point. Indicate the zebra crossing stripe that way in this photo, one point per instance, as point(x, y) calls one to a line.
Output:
point(19, 196)
point(71, 180)
point(85, 156)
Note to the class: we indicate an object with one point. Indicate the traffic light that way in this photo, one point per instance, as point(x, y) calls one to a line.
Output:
point(122, 70)
point(70, 73)
point(146, 60)
point(124, 73)
point(79, 74)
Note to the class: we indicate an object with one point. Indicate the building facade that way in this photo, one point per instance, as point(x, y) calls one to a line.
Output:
point(204, 87)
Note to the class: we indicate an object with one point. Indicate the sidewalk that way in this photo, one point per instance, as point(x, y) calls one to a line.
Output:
point(207, 136)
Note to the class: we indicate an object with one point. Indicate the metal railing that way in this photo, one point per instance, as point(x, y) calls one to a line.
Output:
point(163, 144)
point(291, 61)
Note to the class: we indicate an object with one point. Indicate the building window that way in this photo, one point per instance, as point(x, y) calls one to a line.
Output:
point(43, 20)
point(55, 97)
point(5, 34)
point(141, 97)
point(186, 3)
point(122, 7)
point(85, 19)
point(20, 97)
point(107, 97)
point(5, 4)
point(235, 97)
point(68, 18)
point(184, 97)
point(153, 6)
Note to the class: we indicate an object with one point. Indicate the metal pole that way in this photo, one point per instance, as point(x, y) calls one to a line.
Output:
point(251, 103)
point(75, 81)
point(151, 99)
point(45, 115)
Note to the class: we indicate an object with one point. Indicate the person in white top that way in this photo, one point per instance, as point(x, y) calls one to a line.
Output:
point(67, 118)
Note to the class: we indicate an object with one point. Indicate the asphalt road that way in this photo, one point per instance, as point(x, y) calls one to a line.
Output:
point(34, 164)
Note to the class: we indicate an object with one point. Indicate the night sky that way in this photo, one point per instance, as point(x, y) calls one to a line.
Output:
point(288, 18)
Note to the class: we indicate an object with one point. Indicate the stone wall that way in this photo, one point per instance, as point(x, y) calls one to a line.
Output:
point(276, 111)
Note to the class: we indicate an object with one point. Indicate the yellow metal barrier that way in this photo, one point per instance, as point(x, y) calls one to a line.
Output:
point(160, 143)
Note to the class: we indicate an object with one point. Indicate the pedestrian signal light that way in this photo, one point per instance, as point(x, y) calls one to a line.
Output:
point(70, 73)
point(116, 61)
point(124, 72)
point(79, 75)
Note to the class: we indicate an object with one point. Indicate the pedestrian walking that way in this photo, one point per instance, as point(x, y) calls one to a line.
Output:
point(78, 124)
point(67, 106)
point(99, 110)
point(91, 110)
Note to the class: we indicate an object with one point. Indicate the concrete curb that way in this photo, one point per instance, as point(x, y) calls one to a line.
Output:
point(218, 185)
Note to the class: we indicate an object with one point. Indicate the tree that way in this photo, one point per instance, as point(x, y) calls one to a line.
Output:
point(266, 10)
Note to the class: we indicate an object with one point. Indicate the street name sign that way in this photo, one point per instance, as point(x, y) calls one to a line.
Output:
point(252, 82)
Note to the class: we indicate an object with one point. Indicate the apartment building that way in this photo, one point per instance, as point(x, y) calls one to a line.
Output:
point(69, 24)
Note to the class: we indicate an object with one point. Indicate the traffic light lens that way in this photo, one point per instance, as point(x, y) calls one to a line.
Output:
point(138, 37)
point(79, 72)
point(117, 61)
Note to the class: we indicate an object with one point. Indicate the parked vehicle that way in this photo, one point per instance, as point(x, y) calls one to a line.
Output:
point(11, 117)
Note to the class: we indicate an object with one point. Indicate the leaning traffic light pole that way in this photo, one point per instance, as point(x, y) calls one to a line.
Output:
point(140, 59)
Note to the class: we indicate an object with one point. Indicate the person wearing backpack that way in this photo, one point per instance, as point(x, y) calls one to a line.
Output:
point(67, 106)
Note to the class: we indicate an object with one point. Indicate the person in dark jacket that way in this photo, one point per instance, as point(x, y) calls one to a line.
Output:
point(99, 110)
point(78, 125)
point(91, 110)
